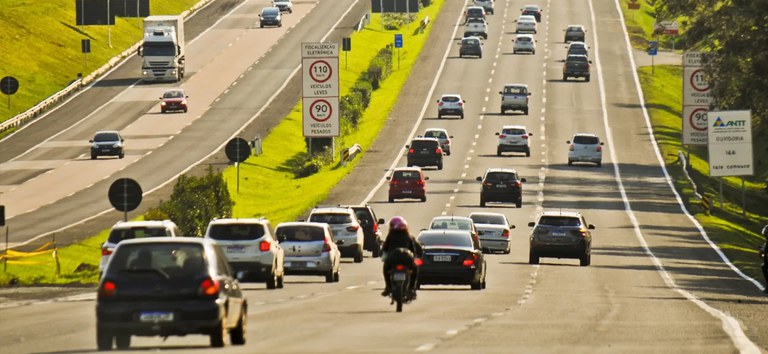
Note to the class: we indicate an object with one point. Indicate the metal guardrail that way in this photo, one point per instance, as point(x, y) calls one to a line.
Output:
point(42, 107)
point(350, 153)
point(366, 19)
point(705, 200)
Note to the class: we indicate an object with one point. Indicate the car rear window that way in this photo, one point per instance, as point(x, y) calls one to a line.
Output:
point(424, 144)
point(488, 219)
point(435, 134)
point(514, 131)
point(331, 218)
point(577, 58)
point(236, 232)
point(515, 90)
point(458, 240)
point(159, 259)
point(574, 29)
point(500, 177)
point(454, 98)
point(523, 39)
point(559, 221)
point(119, 234)
point(586, 140)
point(475, 12)
point(406, 175)
point(450, 225)
point(300, 233)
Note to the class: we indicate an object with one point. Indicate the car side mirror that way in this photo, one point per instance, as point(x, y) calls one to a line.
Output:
point(591, 227)
point(380, 221)
point(90, 141)
point(530, 93)
point(567, 141)
point(451, 137)
point(512, 226)
point(408, 146)
point(186, 96)
point(122, 140)
point(161, 97)
point(339, 242)
point(501, 93)
point(531, 224)
point(465, 101)
point(601, 143)
point(530, 134)
point(523, 180)
point(479, 179)
point(389, 178)
point(497, 133)
point(589, 61)
point(426, 178)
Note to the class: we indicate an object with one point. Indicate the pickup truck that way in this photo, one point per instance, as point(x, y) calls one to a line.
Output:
point(476, 27)
point(576, 66)
point(514, 97)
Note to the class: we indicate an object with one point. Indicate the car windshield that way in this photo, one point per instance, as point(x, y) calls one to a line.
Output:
point(559, 221)
point(451, 225)
point(270, 12)
point(488, 219)
point(435, 134)
point(106, 137)
point(236, 232)
point(466, 42)
point(300, 233)
point(117, 235)
point(515, 90)
point(406, 175)
point(500, 177)
point(513, 131)
point(331, 218)
point(437, 239)
point(173, 94)
point(475, 12)
point(574, 29)
point(159, 259)
point(586, 140)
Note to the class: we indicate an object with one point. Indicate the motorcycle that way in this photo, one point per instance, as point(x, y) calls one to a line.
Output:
point(400, 283)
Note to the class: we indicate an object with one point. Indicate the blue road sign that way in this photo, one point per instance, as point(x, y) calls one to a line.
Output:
point(653, 47)
point(398, 40)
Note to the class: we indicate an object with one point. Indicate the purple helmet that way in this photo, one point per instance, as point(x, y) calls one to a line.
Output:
point(398, 223)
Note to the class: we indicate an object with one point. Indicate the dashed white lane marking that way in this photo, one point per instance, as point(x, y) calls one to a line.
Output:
point(425, 347)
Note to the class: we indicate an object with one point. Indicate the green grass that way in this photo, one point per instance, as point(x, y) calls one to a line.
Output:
point(41, 46)
point(639, 25)
point(267, 186)
point(735, 234)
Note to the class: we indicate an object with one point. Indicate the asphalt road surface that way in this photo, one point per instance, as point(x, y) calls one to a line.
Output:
point(654, 285)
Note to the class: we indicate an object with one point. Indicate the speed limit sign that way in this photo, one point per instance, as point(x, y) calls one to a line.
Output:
point(695, 125)
point(321, 117)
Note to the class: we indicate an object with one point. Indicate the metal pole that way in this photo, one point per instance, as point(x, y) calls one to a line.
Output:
point(237, 164)
point(743, 198)
point(109, 26)
point(5, 260)
point(721, 193)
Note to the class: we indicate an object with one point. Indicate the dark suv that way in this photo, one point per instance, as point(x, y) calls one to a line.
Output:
point(425, 152)
point(561, 234)
point(371, 231)
point(501, 185)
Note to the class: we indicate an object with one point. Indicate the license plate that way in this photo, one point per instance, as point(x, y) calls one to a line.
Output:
point(399, 276)
point(235, 249)
point(441, 258)
point(424, 152)
point(311, 265)
point(156, 316)
point(407, 192)
point(501, 186)
point(558, 233)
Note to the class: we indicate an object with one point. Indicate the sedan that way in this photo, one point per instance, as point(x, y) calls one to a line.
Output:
point(309, 249)
point(168, 286)
point(494, 230)
point(107, 143)
point(173, 100)
point(450, 257)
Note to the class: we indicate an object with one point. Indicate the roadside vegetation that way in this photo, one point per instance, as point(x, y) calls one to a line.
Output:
point(269, 186)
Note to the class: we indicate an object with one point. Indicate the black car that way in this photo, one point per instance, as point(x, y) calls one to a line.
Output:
point(270, 16)
point(425, 152)
point(501, 185)
point(561, 234)
point(107, 143)
point(471, 46)
point(165, 286)
point(450, 257)
point(372, 233)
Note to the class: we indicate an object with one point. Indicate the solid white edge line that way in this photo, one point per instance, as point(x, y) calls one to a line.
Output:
point(730, 324)
point(191, 166)
point(421, 114)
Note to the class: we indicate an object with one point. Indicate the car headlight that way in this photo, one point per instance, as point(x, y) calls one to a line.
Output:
point(117, 145)
point(145, 72)
point(173, 72)
point(94, 146)
point(162, 103)
point(184, 102)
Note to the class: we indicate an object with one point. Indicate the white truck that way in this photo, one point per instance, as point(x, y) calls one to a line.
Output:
point(514, 97)
point(163, 48)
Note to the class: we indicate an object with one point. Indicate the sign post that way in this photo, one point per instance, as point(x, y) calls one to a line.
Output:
point(9, 85)
point(125, 195)
point(320, 90)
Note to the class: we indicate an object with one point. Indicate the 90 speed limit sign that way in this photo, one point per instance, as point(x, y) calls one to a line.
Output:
point(695, 125)
point(321, 117)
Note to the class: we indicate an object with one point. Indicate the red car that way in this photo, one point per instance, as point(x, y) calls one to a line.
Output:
point(174, 100)
point(407, 182)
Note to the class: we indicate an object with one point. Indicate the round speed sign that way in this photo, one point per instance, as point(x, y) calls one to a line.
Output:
point(698, 119)
point(320, 110)
point(320, 71)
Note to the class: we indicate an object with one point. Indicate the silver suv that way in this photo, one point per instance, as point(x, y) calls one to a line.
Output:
point(451, 104)
point(442, 136)
point(252, 250)
point(126, 230)
point(487, 5)
point(513, 138)
point(345, 227)
point(585, 148)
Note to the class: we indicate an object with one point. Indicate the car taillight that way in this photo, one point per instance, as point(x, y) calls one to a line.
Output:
point(470, 260)
point(488, 184)
point(505, 234)
point(518, 184)
point(375, 227)
point(353, 228)
point(583, 233)
point(502, 136)
point(400, 267)
point(105, 251)
point(571, 147)
point(524, 136)
point(209, 287)
point(108, 289)
point(421, 182)
point(327, 246)
point(447, 142)
point(411, 151)
point(264, 246)
point(438, 151)
point(440, 104)
point(599, 148)
point(418, 262)
point(461, 104)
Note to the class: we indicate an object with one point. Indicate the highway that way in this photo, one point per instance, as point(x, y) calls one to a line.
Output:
point(654, 285)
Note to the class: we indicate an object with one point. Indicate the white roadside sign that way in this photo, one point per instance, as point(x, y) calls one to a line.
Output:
point(320, 76)
point(696, 90)
point(320, 89)
point(693, 58)
point(730, 143)
point(321, 117)
point(695, 125)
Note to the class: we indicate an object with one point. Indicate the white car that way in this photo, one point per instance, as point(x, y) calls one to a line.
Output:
point(127, 230)
point(283, 5)
point(526, 23)
point(310, 249)
point(487, 5)
point(577, 48)
point(442, 136)
point(532, 10)
point(494, 230)
point(513, 138)
point(451, 104)
point(524, 43)
point(345, 227)
point(585, 148)
point(253, 252)
point(476, 27)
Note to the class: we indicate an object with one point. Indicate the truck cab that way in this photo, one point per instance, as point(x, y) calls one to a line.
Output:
point(163, 49)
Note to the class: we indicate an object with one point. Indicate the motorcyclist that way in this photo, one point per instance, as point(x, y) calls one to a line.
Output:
point(398, 237)
point(764, 256)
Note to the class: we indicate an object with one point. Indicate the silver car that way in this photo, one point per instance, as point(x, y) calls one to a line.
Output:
point(309, 249)
point(442, 136)
point(494, 230)
point(127, 230)
point(345, 227)
point(513, 138)
point(451, 104)
point(585, 148)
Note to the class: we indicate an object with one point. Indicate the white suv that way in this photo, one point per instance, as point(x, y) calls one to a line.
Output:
point(126, 230)
point(513, 138)
point(283, 5)
point(451, 104)
point(252, 250)
point(345, 227)
point(585, 148)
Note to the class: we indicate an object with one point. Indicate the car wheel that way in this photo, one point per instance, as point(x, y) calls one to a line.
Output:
point(479, 56)
point(570, 162)
point(503, 111)
point(519, 204)
point(272, 281)
point(439, 166)
point(261, 26)
point(104, 338)
point(498, 152)
point(482, 202)
point(533, 258)
point(122, 154)
point(391, 200)
point(123, 341)
point(525, 111)
point(461, 116)
point(217, 335)
point(93, 156)
point(585, 260)
point(586, 78)
point(281, 281)
point(424, 199)
point(185, 110)
point(533, 52)
point(163, 111)
point(476, 285)
point(599, 164)
point(565, 78)
point(329, 278)
point(439, 116)
point(376, 252)
point(237, 335)
point(508, 250)
point(527, 152)
point(359, 255)
point(514, 51)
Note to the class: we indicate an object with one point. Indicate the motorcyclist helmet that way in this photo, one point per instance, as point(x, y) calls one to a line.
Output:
point(398, 223)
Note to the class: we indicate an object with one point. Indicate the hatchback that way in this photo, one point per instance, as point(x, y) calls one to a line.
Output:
point(425, 152)
point(407, 183)
point(470, 46)
point(165, 286)
point(173, 100)
point(127, 230)
point(107, 143)
point(451, 104)
point(561, 234)
point(451, 257)
point(494, 230)
point(251, 248)
point(513, 138)
point(283, 5)
point(487, 5)
point(270, 16)
point(474, 12)
point(524, 43)
point(501, 185)
point(577, 48)
point(345, 227)
point(574, 33)
point(309, 249)
point(526, 23)
point(585, 147)
point(442, 136)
